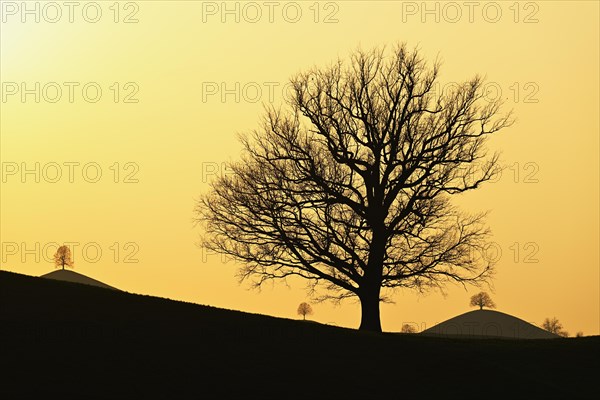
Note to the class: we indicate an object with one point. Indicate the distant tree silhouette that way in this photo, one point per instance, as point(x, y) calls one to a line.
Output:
point(579, 334)
point(553, 325)
point(482, 299)
point(350, 186)
point(408, 328)
point(304, 309)
point(62, 257)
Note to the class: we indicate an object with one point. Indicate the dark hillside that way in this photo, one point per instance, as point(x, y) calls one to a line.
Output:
point(67, 340)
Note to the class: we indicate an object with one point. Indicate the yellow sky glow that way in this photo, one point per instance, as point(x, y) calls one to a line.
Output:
point(151, 94)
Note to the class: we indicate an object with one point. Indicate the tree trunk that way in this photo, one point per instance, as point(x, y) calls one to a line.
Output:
point(369, 307)
point(371, 286)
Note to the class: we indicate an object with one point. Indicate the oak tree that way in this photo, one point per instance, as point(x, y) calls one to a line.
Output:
point(349, 186)
point(553, 325)
point(62, 257)
point(304, 309)
point(482, 299)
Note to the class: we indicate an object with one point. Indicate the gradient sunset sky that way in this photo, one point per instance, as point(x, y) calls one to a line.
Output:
point(115, 115)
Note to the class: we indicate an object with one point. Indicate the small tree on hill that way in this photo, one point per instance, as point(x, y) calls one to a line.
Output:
point(304, 309)
point(553, 325)
point(62, 257)
point(408, 328)
point(482, 299)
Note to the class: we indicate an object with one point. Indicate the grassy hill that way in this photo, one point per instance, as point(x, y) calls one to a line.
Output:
point(66, 339)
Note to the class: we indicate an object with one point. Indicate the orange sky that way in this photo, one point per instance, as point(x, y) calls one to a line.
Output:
point(112, 124)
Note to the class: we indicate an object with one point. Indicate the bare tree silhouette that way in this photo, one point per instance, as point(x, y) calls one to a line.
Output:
point(350, 188)
point(482, 299)
point(304, 309)
point(553, 325)
point(62, 257)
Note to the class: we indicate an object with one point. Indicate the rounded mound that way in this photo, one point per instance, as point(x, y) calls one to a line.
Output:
point(70, 276)
point(482, 324)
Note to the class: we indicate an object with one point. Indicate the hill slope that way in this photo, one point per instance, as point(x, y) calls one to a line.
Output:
point(71, 340)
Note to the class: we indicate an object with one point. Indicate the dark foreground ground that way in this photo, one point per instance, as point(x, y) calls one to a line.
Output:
point(65, 340)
